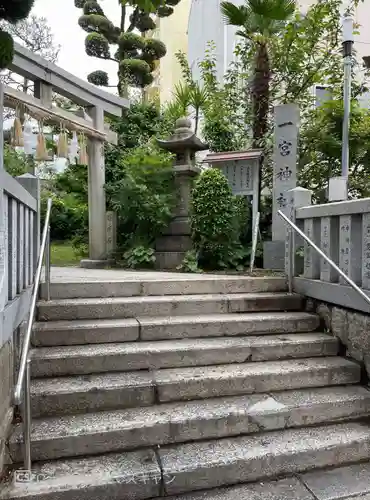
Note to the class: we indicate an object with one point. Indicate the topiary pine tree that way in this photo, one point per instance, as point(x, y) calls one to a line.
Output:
point(11, 11)
point(137, 54)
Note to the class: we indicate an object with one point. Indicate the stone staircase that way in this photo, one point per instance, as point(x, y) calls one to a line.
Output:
point(145, 389)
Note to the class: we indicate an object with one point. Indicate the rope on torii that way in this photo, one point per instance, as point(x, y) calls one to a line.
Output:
point(15, 99)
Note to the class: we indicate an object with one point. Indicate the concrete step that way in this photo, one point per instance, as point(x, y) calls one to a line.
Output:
point(210, 464)
point(110, 391)
point(131, 476)
point(183, 384)
point(104, 432)
point(218, 325)
point(169, 305)
point(130, 356)
point(341, 483)
point(283, 489)
point(79, 332)
point(57, 333)
point(194, 285)
point(197, 466)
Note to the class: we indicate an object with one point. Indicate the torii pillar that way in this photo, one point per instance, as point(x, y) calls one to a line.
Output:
point(98, 252)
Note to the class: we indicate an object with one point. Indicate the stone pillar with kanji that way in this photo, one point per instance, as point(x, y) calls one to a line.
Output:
point(175, 241)
point(284, 179)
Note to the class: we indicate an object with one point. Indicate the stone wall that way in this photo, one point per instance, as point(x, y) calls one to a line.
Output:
point(6, 388)
point(351, 327)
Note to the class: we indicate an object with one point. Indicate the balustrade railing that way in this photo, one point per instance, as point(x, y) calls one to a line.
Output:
point(19, 247)
point(342, 231)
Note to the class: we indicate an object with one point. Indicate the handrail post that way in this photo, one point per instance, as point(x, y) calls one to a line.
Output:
point(27, 417)
point(47, 264)
point(296, 198)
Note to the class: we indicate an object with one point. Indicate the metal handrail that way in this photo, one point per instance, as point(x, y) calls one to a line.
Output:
point(321, 253)
point(24, 374)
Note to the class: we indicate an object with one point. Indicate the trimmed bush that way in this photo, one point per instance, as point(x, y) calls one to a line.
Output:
point(213, 220)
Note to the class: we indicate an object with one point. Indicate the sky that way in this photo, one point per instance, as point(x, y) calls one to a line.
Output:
point(62, 17)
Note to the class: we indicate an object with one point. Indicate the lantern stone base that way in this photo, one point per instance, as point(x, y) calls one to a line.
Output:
point(173, 243)
point(97, 263)
point(172, 246)
point(169, 261)
point(274, 255)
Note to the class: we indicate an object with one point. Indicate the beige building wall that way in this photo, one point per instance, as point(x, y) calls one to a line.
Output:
point(173, 33)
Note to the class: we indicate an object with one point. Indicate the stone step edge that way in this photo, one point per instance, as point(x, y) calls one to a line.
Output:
point(166, 298)
point(189, 319)
point(228, 461)
point(53, 353)
point(147, 473)
point(129, 307)
point(179, 353)
point(111, 391)
point(138, 329)
point(254, 413)
point(177, 286)
point(354, 483)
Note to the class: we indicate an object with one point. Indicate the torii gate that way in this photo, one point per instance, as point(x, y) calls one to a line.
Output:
point(48, 77)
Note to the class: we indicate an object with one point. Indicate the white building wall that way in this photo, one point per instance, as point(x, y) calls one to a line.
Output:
point(206, 25)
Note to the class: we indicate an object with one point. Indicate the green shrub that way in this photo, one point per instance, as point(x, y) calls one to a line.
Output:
point(214, 221)
point(243, 219)
point(73, 180)
point(68, 217)
point(190, 263)
point(6, 49)
point(15, 163)
point(143, 198)
point(139, 257)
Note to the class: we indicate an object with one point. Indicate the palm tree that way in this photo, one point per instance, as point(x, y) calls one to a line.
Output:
point(258, 22)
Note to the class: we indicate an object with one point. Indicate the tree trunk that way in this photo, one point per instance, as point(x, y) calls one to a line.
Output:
point(260, 94)
point(122, 86)
point(196, 120)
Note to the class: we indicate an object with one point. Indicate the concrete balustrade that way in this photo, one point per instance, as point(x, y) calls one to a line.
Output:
point(342, 231)
point(19, 247)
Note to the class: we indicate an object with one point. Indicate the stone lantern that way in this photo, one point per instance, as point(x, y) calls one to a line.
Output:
point(176, 239)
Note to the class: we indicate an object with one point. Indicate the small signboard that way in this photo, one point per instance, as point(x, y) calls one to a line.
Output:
point(242, 170)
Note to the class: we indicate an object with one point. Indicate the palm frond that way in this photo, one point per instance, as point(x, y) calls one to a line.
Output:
point(173, 110)
point(181, 95)
point(198, 96)
point(242, 33)
point(279, 10)
point(233, 15)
